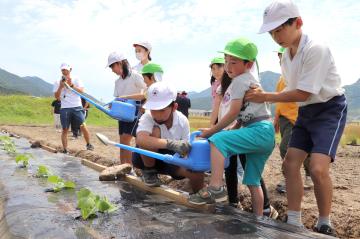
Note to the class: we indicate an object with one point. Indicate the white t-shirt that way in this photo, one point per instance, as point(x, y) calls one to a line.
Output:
point(133, 84)
point(68, 98)
point(236, 90)
point(138, 67)
point(180, 129)
point(312, 70)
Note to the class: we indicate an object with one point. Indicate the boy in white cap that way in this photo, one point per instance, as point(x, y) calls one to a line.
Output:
point(129, 83)
point(142, 53)
point(313, 82)
point(165, 130)
point(71, 107)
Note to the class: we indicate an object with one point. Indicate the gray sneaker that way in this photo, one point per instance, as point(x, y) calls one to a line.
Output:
point(150, 178)
point(271, 212)
point(209, 195)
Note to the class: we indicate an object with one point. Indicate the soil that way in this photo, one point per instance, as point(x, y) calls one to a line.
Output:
point(345, 174)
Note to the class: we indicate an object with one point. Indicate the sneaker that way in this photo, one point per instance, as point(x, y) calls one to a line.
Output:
point(208, 195)
point(271, 213)
point(89, 147)
point(308, 183)
point(326, 229)
point(150, 178)
point(64, 151)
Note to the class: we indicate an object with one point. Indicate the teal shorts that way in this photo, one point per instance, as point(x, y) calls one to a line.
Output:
point(256, 141)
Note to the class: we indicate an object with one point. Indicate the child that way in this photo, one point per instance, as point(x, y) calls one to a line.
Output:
point(313, 81)
point(151, 73)
point(221, 107)
point(217, 71)
point(56, 104)
point(165, 130)
point(256, 137)
point(129, 82)
point(284, 120)
point(142, 52)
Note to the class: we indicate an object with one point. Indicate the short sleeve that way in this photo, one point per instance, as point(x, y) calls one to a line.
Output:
point(146, 123)
point(139, 82)
point(316, 64)
point(186, 129)
point(78, 83)
point(239, 86)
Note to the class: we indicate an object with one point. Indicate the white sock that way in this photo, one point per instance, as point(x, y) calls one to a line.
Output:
point(323, 221)
point(294, 218)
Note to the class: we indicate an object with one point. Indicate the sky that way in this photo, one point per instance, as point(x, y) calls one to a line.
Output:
point(36, 36)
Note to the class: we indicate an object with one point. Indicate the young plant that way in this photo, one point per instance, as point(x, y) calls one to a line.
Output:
point(60, 184)
point(8, 144)
point(24, 158)
point(90, 203)
point(43, 172)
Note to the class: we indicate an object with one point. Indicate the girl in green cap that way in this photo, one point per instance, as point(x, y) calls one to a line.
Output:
point(255, 138)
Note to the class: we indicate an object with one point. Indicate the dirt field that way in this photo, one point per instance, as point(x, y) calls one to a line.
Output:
point(345, 174)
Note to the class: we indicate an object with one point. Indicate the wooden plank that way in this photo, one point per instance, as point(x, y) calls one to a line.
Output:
point(47, 148)
point(178, 197)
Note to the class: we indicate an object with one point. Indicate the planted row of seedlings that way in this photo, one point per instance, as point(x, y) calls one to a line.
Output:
point(88, 202)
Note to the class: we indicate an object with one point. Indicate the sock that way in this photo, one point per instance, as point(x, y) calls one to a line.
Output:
point(294, 218)
point(323, 221)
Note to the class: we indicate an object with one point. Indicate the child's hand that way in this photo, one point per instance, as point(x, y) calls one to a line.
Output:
point(256, 95)
point(205, 133)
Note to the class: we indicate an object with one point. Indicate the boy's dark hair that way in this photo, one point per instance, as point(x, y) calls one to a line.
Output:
point(290, 21)
point(148, 75)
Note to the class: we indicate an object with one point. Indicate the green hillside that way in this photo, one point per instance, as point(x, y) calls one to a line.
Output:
point(22, 109)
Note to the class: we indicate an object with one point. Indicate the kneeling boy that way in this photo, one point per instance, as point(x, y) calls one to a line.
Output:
point(165, 130)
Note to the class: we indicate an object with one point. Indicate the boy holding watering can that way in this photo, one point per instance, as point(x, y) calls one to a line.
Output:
point(255, 139)
point(164, 130)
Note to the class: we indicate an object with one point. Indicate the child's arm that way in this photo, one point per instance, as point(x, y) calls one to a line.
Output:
point(215, 110)
point(259, 96)
point(230, 117)
point(134, 96)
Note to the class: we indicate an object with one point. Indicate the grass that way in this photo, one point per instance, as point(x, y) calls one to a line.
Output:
point(28, 110)
point(351, 134)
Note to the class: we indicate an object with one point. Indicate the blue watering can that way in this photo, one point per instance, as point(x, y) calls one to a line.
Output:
point(121, 109)
point(197, 160)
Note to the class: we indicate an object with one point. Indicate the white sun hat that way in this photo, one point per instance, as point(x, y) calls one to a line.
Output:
point(145, 44)
point(277, 13)
point(160, 95)
point(115, 57)
point(65, 66)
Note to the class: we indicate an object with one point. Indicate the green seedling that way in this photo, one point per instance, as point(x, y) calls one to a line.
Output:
point(60, 184)
point(8, 144)
point(23, 158)
point(43, 172)
point(90, 203)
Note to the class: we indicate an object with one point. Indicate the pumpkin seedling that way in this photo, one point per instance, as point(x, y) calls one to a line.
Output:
point(43, 172)
point(8, 144)
point(59, 183)
point(24, 159)
point(90, 203)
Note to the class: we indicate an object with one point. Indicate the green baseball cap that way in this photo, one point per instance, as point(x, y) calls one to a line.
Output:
point(151, 68)
point(241, 48)
point(217, 60)
point(281, 50)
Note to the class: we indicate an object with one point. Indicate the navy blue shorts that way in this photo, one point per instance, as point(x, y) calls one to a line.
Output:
point(319, 127)
point(160, 166)
point(128, 127)
point(74, 115)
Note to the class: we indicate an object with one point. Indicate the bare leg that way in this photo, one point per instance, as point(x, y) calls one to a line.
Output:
point(125, 155)
point(64, 138)
point(217, 167)
point(196, 179)
point(319, 170)
point(294, 185)
point(257, 199)
point(148, 161)
point(85, 132)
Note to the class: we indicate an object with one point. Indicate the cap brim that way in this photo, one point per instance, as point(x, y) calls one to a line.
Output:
point(231, 54)
point(271, 25)
point(156, 105)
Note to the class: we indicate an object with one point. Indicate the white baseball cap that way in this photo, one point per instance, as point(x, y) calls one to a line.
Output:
point(145, 44)
point(159, 96)
point(65, 66)
point(277, 13)
point(115, 57)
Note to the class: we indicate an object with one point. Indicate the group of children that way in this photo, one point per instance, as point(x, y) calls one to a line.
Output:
point(241, 126)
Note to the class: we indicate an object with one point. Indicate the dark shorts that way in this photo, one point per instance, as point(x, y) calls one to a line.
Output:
point(128, 127)
point(74, 115)
point(160, 166)
point(319, 127)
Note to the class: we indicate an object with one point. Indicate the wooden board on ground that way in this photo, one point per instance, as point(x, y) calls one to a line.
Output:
point(37, 144)
point(178, 197)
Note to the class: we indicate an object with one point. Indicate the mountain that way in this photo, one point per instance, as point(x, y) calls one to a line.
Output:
point(352, 93)
point(29, 85)
point(202, 100)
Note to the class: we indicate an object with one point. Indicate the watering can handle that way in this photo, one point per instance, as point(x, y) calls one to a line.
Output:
point(193, 135)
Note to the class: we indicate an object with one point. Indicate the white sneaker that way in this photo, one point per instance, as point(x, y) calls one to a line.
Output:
point(308, 183)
